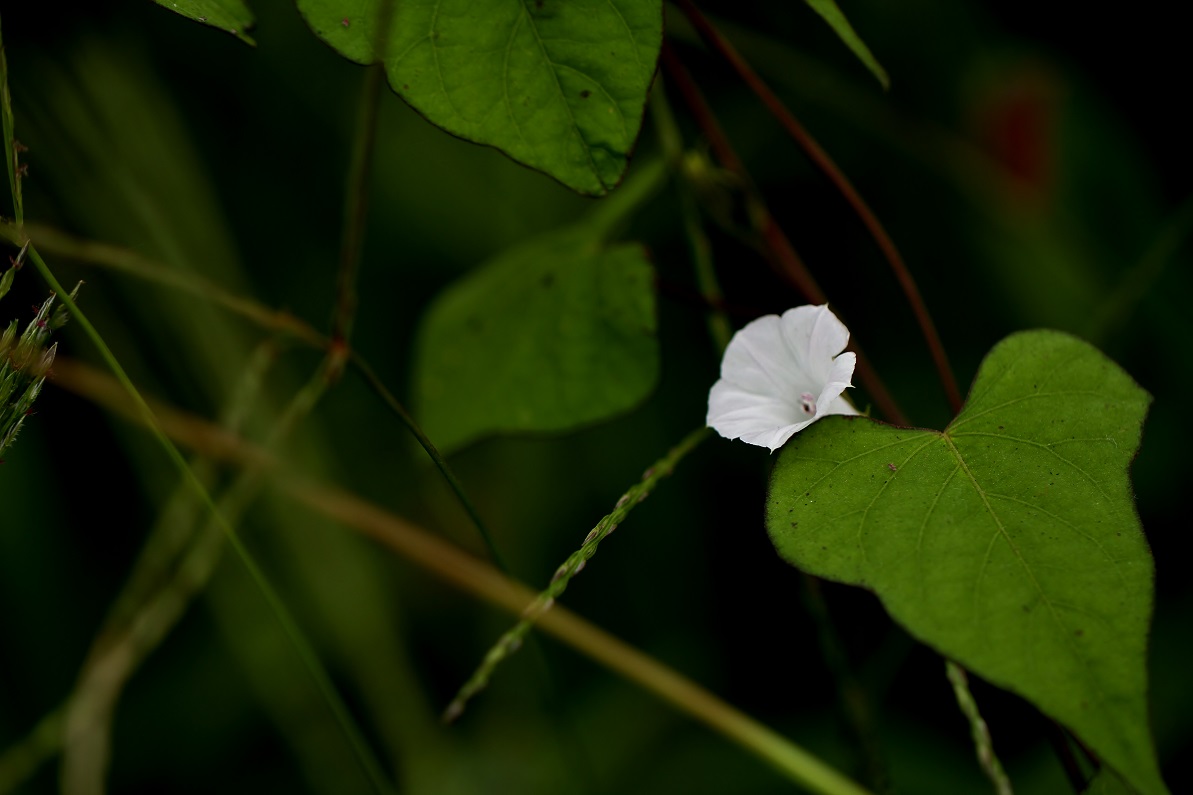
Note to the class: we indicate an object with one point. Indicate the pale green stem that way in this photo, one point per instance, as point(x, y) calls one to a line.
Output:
point(289, 625)
point(512, 639)
point(982, 742)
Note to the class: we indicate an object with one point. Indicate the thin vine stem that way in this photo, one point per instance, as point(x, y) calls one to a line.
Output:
point(511, 641)
point(827, 166)
point(791, 266)
point(983, 745)
point(378, 386)
point(302, 646)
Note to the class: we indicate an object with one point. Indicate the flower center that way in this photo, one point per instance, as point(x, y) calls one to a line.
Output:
point(807, 404)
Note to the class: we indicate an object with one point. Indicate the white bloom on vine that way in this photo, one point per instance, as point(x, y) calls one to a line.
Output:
point(781, 374)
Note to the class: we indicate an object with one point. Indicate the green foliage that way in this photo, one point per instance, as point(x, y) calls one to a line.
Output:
point(24, 362)
point(831, 13)
point(230, 16)
point(557, 85)
point(553, 334)
point(1009, 541)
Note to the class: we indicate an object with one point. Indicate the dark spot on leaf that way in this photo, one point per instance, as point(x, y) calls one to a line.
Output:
point(1079, 632)
point(585, 94)
point(547, 280)
point(794, 525)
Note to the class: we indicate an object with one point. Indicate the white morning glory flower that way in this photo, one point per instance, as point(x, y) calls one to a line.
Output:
point(781, 374)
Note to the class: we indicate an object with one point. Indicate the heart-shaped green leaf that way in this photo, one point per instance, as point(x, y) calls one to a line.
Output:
point(549, 336)
point(559, 85)
point(1009, 542)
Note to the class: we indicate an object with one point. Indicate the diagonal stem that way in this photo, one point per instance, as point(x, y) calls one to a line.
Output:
point(511, 641)
point(983, 745)
point(821, 159)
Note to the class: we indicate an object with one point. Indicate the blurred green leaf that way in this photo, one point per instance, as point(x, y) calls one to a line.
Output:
point(831, 13)
point(1107, 783)
point(551, 335)
point(1009, 542)
point(230, 16)
point(559, 86)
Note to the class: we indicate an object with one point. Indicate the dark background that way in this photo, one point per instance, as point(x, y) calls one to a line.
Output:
point(1025, 162)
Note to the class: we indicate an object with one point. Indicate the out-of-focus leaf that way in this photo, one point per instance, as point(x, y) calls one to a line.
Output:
point(551, 335)
point(230, 16)
point(1107, 783)
point(559, 85)
point(1009, 541)
point(831, 13)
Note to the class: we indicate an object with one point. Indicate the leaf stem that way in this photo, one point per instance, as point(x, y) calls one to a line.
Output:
point(821, 159)
point(298, 640)
point(790, 265)
point(982, 742)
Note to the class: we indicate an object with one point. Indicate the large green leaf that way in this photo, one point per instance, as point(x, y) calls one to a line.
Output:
point(559, 85)
point(230, 16)
point(1009, 542)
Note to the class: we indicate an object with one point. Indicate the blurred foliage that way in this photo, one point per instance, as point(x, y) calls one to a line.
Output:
point(1031, 175)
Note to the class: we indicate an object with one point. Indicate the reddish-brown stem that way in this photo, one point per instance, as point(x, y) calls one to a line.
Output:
point(713, 38)
point(783, 255)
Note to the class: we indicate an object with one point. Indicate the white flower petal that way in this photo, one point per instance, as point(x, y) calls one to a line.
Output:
point(757, 359)
point(814, 335)
point(839, 377)
point(777, 371)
